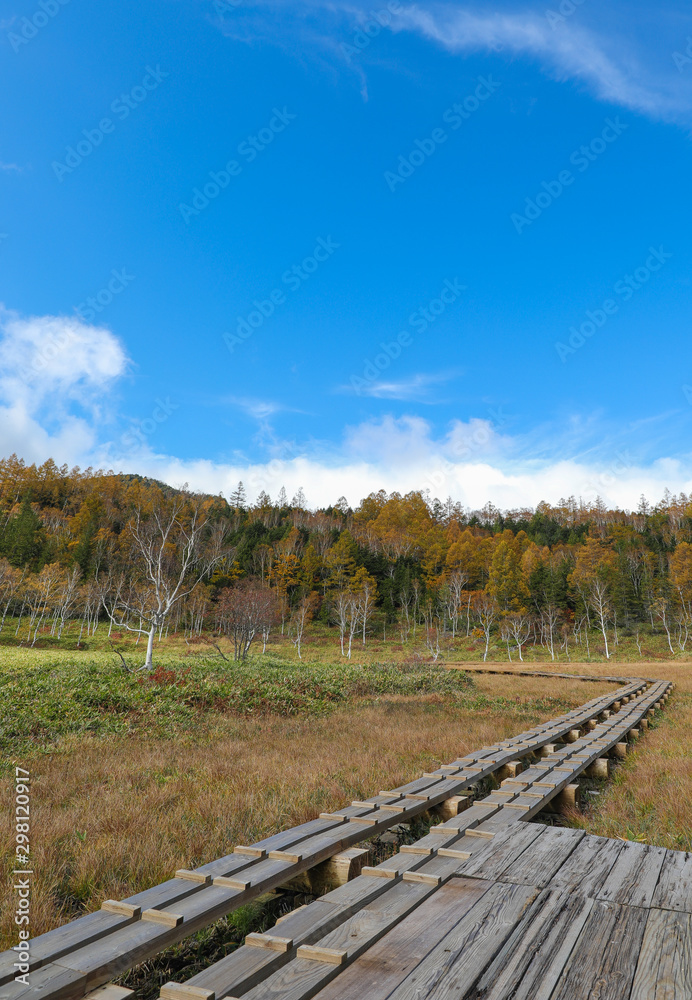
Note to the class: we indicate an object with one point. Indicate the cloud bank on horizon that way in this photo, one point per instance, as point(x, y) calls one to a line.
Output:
point(58, 391)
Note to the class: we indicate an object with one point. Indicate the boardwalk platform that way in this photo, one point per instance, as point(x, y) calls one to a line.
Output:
point(488, 904)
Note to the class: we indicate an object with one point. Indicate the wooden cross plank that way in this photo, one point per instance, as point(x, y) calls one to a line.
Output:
point(664, 969)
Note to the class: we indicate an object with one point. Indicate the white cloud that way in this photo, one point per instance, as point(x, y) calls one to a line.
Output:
point(258, 409)
point(616, 69)
point(416, 388)
point(55, 372)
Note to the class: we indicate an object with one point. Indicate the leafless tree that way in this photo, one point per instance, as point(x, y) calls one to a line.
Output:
point(549, 619)
point(599, 602)
point(486, 611)
point(245, 611)
point(173, 545)
point(454, 594)
point(300, 616)
point(519, 625)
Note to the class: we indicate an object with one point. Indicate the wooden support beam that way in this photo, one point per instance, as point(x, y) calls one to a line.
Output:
point(200, 877)
point(379, 872)
point(421, 877)
point(568, 798)
point(633, 734)
point(109, 992)
point(181, 991)
point(250, 852)
point(572, 736)
point(333, 956)
point(510, 770)
point(547, 750)
point(453, 806)
point(272, 942)
point(332, 873)
point(620, 751)
point(599, 769)
point(122, 909)
point(163, 917)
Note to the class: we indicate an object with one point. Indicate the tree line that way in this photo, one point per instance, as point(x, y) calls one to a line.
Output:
point(90, 549)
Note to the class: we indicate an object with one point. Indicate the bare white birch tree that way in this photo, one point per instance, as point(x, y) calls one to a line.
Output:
point(173, 545)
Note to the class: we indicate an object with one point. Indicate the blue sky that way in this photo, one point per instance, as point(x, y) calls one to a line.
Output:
point(257, 197)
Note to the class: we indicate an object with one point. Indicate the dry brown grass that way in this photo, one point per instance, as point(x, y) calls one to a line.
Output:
point(111, 816)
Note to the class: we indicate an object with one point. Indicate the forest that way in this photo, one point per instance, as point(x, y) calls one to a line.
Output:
point(83, 551)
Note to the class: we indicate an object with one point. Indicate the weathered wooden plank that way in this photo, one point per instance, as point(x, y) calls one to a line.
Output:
point(498, 823)
point(588, 866)
point(545, 856)
point(499, 853)
point(388, 962)
point(302, 978)
point(634, 875)
point(674, 888)
point(470, 817)
point(604, 959)
point(247, 967)
point(55, 943)
point(61, 983)
point(454, 966)
point(664, 969)
point(532, 959)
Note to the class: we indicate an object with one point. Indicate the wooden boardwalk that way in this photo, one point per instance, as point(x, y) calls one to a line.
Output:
point(486, 905)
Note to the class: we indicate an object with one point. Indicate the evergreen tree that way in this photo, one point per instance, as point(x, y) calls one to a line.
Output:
point(238, 498)
point(24, 539)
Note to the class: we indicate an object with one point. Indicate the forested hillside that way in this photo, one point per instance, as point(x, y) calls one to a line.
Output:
point(73, 549)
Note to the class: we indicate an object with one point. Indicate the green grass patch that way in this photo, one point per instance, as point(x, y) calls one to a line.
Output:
point(44, 702)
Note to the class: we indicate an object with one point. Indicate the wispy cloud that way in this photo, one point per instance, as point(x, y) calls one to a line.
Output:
point(258, 409)
point(614, 67)
point(415, 388)
point(615, 54)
